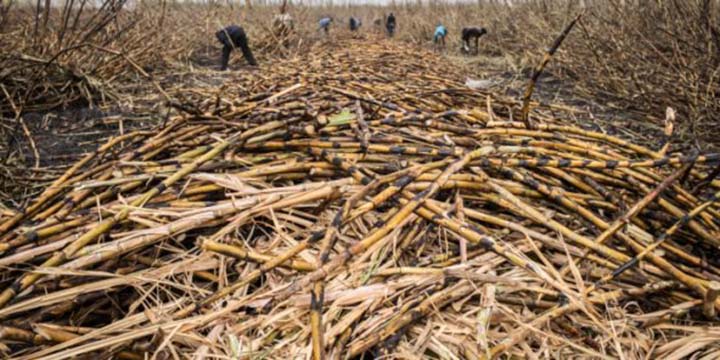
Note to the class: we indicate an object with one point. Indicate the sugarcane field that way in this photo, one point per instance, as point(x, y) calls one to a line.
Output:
point(359, 179)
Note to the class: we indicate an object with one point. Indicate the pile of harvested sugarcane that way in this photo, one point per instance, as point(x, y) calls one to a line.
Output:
point(359, 200)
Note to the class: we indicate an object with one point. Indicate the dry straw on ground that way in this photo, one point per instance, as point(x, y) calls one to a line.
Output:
point(353, 197)
point(342, 183)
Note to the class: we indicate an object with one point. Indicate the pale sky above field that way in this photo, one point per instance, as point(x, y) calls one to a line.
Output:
point(130, 3)
point(363, 2)
point(355, 2)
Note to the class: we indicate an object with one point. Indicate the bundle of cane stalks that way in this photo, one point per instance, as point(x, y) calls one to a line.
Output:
point(359, 200)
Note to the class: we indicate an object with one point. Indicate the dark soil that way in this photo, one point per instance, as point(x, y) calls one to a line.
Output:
point(62, 137)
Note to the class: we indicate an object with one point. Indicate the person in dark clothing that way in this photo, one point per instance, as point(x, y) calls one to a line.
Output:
point(355, 23)
point(390, 24)
point(470, 33)
point(233, 37)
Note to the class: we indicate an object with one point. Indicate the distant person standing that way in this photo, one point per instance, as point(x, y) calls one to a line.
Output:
point(283, 24)
point(390, 24)
point(325, 24)
point(439, 36)
point(355, 23)
point(233, 37)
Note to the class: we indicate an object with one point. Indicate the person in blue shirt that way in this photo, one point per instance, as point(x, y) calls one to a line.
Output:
point(325, 24)
point(439, 37)
point(233, 37)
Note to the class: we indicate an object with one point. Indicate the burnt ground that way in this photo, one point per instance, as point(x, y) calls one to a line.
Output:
point(61, 137)
point(598, 111)
point(65, 135)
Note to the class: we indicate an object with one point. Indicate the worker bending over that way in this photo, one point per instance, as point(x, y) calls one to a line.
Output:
point(470, 33)
point(355, 23)
point(439, 37)
point(233, 37)
point(325, 24)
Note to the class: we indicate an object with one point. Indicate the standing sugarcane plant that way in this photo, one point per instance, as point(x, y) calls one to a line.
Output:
point(539, 69)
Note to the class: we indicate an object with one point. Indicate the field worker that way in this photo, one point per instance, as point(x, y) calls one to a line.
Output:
point(355, 23)
point(390, 24)
point(439, 37)
point(325, 24)
point(470, 33)
point(283, 24)
point(233, 37)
